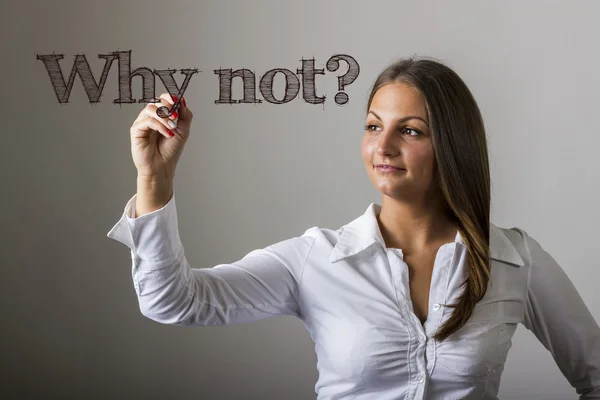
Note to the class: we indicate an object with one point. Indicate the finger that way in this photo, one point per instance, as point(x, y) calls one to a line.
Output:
point(171, 100)
point(168, 98)
point(151, 123)
point(150, 111)
point(185, 113)
point(151, 104)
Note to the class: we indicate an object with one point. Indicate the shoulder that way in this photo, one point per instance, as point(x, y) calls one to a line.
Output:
point(509, 244)
point(514, 234)
point(300, 246)
point(328, 235)
point(528, 247)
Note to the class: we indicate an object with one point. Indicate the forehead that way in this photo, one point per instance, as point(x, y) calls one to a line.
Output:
point(398, 99)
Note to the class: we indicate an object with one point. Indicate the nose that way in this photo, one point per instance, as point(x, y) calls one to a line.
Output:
point(387, 146)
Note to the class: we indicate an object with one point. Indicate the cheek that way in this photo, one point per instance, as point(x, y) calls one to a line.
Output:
point(423, 158)
point(366, 150)
point(368, 146)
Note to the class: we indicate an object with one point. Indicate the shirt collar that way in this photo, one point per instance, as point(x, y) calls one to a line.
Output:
point(364, 232)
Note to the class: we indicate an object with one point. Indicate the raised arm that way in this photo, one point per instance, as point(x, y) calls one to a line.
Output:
point(558, 317)
point(264, 283)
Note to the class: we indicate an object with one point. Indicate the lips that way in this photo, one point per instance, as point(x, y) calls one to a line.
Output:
point(388, 166)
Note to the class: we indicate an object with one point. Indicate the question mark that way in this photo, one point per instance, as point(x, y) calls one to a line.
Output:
point(343, 80)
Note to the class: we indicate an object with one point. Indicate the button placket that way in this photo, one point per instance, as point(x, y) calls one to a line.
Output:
point(394, 258)
point(418, 346)
point(439, 286)
point(395, 262)
point(135, 263)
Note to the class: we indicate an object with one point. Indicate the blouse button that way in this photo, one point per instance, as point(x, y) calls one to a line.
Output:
point(436, 307)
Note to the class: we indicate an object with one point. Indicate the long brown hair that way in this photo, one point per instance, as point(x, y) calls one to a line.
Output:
point(460, 148)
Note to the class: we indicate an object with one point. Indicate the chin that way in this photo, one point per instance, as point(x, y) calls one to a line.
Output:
point(388, 190)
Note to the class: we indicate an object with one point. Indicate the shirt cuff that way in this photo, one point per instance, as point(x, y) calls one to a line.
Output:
point(152, 237)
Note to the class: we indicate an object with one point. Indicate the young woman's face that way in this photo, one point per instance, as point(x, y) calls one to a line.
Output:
point(397, 133)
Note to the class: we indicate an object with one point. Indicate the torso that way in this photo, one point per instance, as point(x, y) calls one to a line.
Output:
point(420, 267)
point(420, 272)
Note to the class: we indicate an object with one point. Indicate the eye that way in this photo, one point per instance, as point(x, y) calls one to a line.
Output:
point(413, 130)
point(369, 127)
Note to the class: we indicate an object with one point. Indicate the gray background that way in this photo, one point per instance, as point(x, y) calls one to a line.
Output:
point(252, 175)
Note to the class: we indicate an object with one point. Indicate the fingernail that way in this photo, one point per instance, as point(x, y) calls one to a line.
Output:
point(184, 103)
point(171, 133)
point(172, 124)
point(174, 98)
point(175, 115)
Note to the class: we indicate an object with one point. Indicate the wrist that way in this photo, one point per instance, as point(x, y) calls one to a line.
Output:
point(153, 193)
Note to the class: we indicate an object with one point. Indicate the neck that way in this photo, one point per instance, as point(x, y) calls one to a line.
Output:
point(415, 226)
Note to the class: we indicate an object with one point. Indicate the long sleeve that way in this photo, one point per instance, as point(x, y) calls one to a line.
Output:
point(264, 283)
point(558, 317)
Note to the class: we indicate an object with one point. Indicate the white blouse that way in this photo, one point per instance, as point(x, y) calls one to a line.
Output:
point(352, 294)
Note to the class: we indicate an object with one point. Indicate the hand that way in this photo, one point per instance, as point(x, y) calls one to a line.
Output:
point(155, 152)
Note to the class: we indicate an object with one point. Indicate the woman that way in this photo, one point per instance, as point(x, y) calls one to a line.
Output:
point(418, 298)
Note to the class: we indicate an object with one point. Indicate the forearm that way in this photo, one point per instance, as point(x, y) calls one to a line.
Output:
point(153, 193)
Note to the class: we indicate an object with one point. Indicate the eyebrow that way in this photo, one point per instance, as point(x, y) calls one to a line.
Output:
point(403, 119)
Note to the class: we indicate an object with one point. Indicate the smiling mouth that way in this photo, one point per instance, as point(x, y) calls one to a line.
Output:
point(387, 168)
